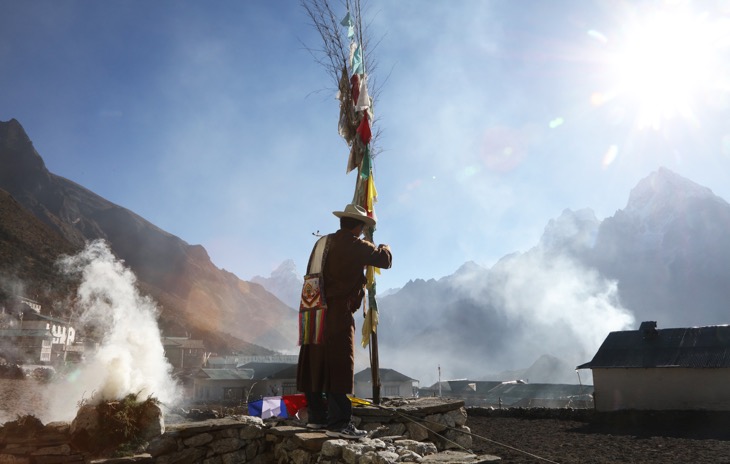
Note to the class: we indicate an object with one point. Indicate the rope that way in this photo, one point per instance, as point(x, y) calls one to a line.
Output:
point(418, 420)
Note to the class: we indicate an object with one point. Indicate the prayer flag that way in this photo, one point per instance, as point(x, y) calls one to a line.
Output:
point(365, 166)
point(364, 130)
point(363, 99)
point(269, 406)
point(355, 83)
point(294, 403)
point(356, 59)
point(347, 21)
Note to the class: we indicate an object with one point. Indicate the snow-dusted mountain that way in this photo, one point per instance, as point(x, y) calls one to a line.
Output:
point(669, 251)
point(284, 282)
point(663, 257)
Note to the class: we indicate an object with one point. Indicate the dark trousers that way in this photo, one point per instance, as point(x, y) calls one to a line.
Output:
point(332, 409)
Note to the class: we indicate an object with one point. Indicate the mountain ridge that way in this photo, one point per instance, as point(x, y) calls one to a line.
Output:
point(193, 294)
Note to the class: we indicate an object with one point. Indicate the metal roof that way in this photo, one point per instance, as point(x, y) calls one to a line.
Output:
point(226, 374)
point(263, 370)
point(512, 392)
point(184, 343)
point(693, 347)
point(385, 375)
point(20, 333)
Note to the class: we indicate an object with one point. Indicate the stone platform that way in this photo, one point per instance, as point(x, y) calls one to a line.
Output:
point(428, 430)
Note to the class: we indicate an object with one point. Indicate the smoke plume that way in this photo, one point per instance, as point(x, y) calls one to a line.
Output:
point(130, 357)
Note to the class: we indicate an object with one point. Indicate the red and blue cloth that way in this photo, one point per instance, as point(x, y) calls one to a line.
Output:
point(277, 406)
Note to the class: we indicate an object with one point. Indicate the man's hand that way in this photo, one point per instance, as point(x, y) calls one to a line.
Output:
point(383, 246)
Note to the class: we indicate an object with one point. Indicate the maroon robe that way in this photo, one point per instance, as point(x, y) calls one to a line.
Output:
point(330, 366)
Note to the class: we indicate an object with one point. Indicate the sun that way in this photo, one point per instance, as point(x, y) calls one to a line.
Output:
point(666, 61)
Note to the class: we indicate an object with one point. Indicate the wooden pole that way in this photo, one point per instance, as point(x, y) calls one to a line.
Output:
point(375, 367)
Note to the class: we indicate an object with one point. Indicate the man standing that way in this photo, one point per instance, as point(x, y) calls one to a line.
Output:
point(327, 370)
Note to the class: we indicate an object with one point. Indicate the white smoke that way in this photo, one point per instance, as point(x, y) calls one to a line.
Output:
point(130, 357)
point(483, 322)
point(570, 308)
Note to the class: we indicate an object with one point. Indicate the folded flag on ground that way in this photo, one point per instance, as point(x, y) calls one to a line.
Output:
point(277, 406)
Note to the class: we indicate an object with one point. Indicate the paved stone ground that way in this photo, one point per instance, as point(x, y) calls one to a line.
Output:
point(572, 441)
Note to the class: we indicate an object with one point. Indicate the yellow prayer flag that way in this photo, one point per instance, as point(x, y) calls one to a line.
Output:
point(372, 193)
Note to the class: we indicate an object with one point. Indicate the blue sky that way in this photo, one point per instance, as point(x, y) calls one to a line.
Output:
point(212, 121)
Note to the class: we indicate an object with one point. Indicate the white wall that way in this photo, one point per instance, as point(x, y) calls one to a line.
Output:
point(365, 389)
point(662, 389)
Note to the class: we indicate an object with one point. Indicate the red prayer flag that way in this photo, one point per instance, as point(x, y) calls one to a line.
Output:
point(294, 403)
point(355, 83)
point(364, 129)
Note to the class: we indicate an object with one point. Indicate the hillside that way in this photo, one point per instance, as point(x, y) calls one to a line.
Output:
point(194, 295)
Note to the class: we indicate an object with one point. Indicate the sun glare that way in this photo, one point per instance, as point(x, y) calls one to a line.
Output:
point(666, 62)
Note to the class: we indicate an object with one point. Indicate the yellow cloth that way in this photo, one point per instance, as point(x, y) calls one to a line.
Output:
point(370, 272)
point(359, 401)
point(372, 193)
point(369, 326)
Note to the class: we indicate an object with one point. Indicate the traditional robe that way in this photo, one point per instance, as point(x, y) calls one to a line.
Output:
point(330, 366)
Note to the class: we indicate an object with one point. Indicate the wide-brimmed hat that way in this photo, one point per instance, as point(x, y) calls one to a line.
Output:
point(355, 212)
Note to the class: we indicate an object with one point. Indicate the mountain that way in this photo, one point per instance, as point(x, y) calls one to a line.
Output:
point(28, 249)
point(663, 258)
point(284, 282)
point(668, 250)
point(194, 295)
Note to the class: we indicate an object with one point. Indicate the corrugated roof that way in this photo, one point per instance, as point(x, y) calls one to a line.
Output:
point(510, 392)
point(185, 343)
point(25, 333)
point(386, 375)
point(226, 374)
point(693, 347)
point(271, 370)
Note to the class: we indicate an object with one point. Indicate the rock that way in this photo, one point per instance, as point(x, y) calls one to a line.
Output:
point(151, 422)
point(459, 457)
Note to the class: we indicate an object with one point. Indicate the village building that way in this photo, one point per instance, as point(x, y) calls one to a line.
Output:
point(183, 352)
point(392, 384)
point(663, 369)
point(247, 382)
point(236, 360)
point(519, 394)
point(33, 338)
point(471, 391)
point(512, 394)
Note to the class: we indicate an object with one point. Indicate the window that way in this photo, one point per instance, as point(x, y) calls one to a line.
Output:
point(45, 356)
point(46, 343)
point(391, 390)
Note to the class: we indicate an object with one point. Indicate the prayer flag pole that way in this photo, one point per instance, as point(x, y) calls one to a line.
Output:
point(345, 59)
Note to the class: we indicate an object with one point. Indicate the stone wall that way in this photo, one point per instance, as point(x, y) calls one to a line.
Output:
point(429, 431)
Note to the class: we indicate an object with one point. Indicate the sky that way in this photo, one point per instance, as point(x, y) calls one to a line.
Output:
point(213, 121)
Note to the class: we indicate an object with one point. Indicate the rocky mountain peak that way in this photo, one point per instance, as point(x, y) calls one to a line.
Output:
point(572, 229)
point(284, 282)
point(662, 192)
point(16, 150)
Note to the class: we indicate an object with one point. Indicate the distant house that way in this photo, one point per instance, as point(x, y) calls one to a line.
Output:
point(518, 394)
point(27, 345)
point(471, 391)
point(513, 393)
point(183, 352)
point(667, 369)
point(392, 383)
point(235, 360)
point(222, 385)
point(63, 334)
point(247, 382)
point(31, 337)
